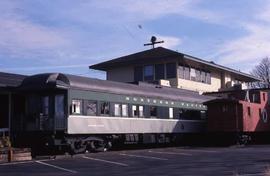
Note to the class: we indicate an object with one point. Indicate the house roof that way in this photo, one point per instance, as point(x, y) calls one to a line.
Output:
point(161, 54)
point(10, 79)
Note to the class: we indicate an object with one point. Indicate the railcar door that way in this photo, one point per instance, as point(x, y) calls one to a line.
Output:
point(59, 112)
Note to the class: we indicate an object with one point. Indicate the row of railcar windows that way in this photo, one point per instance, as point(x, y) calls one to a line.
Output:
point(102, 108)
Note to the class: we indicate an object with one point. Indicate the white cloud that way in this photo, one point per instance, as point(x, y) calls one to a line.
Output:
point(21, 38)
point(169, 41)
point(139, 10)
point(255, 45)
point(246, 51)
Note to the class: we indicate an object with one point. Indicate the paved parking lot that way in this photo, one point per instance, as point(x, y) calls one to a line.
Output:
point(245, 161)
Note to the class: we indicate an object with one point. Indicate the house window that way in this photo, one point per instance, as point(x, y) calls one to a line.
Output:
point(171, 113)
point(181, 72)
point(76, 107)
point(117, 110)
point(198, 75)
point(208, 78)
point(170, 70)
point(104, 108)
point(138, 73)
point(187, 73)
point(159, 71)
point(91, 108)
point(153, 111)
point(148, 72)
point(134, 111)
point(141, 111)
point(192, 74)
point(203, 77)
point(124, 110)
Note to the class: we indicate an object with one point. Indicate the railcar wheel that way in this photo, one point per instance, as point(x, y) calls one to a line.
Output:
point(77, 146)
point(243, 139)
point(99, 146)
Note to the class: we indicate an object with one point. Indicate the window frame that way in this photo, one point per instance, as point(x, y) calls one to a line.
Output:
point(119, 109)
point(156, 112)
point(86, 103)
point(148, 76)
point(100, 110)
point(127, 114)
point(73, 111)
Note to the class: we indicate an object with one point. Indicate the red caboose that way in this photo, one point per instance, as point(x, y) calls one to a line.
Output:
point(239, 115)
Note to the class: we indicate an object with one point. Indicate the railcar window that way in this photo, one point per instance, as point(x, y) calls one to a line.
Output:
point(141, 114)
point(203, 115)
point(189, 114)
point(134, 111)
point(171, 113)
point(59, 106)
point(33, 102)
point(225, 108)
point(76, 107)
point(117, 110)
point(91, 107)
point(104, 108)
point(124, 110)
point(45, 105)
point(153, 111)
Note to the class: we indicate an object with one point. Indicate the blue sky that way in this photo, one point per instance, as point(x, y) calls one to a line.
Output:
point(67, 36)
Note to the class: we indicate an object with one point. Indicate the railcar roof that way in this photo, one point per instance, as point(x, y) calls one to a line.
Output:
point(93, 84)
point(10, 80)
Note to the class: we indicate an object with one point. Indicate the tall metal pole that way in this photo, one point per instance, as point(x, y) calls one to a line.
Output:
point(9, 114)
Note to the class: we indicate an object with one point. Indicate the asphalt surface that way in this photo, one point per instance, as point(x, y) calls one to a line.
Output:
point(240, 161)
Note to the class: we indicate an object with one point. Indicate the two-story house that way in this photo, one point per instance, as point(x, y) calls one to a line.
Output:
point(171, 68)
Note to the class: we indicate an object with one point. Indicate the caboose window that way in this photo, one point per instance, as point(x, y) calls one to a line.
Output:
point(117, 110)
point(91, 107)
point(76, 107)
point(124, 110)
point(104, 108)
point(249, 111)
